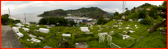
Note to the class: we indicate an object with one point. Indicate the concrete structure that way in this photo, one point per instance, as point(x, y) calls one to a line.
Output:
point(9, 38)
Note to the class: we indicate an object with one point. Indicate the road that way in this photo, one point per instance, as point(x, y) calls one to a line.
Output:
point(9, 38)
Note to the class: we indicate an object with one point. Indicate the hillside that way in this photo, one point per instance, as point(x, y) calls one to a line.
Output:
point(145, 11)
point(92, 12)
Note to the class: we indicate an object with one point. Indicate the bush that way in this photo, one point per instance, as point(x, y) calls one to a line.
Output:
point(53, 20)
point(101, 20)
point(146, 22)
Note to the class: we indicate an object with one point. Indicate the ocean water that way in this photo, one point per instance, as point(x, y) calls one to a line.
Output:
point(30, 17)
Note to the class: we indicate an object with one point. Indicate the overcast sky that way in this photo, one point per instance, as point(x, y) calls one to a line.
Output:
point(19, 7)
point(33, 8)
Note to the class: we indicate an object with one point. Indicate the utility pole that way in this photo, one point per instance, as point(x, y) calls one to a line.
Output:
point(123, 7)
point(9, 14)
point(25, 17)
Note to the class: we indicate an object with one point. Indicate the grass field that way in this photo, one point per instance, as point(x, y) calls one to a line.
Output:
point(141, 38)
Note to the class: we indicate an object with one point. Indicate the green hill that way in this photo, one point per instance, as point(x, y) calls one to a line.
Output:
point(146, 11)
point(92, 12)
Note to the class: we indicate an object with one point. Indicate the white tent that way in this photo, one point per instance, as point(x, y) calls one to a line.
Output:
point(85, 29)
point(44, 30)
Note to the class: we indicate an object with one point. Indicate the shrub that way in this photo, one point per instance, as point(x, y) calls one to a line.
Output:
point(58, 21)
point(146, 22)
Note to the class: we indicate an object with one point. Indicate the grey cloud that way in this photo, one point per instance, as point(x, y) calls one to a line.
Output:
point(28, 7)
point(15, 2)
point(33, 7)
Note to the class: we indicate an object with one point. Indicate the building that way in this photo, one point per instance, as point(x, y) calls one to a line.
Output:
point(69, 15)
point(148, 9)
point(123, 17)
point(79, 19)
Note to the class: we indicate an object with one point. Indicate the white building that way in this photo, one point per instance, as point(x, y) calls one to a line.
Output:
point(78, 19)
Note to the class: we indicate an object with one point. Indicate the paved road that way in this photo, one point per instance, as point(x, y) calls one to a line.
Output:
point(9, 39)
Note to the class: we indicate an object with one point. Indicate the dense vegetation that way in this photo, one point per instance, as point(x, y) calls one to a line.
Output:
point(57, 21)
point(146, 11)
point(5, 20)
point(101, 21)
point(143, 12)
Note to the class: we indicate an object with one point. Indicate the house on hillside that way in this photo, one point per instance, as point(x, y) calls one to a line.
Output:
point(123, 17)
point(161, 13)
point(137, 9)
point(68, 15)
point(148, 9)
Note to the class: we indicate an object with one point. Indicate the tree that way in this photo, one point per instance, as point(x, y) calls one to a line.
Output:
point(116, 14)
point(43, 20)
point(15, 21)
point(163, 8)
point(54, 20)
point(62, 21)
point(142, 14)
point(71, 23)
point(132, 10)
point(153, 12)
point(146, 5)
point(101, 20)
point(164, 3)
point(32, 22)
point(163, 24)
point(127, 12)
point(4, 18)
